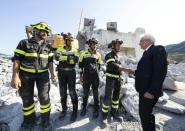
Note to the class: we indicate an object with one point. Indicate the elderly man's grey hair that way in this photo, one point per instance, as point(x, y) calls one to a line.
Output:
point(148, 37)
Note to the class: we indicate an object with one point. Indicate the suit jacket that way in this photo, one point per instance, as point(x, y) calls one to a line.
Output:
point(151, 71)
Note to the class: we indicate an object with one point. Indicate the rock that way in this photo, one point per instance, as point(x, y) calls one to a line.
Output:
point(90, 101)
point(102, 79)
point(180, 78)
point(131, 101)
point(131, 80)
point(4, 127)
point(14, 117)
point(177, 71)
point(102, 92)
point(79, 90)
point(169, 84)
point(54, 94)
point(171, 106)
point(123, 91)
point(164, 98)
point(180, 85)
point(130, 104)
point(177, 97)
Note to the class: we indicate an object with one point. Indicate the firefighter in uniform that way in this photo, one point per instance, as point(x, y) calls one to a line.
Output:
point(31, 61)
point(89, 63)
point(113, 81)
point(67, 57)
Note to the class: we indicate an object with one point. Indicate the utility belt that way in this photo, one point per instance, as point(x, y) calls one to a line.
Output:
point(65, 68)
point(33, 70)
point(114, 76)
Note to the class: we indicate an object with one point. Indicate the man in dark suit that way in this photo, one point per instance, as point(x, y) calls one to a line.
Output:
point(149, 77)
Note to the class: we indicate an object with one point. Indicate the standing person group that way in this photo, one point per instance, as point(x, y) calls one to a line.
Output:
point(34, 57)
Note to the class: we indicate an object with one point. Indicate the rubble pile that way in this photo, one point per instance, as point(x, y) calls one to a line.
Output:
point(172, 101)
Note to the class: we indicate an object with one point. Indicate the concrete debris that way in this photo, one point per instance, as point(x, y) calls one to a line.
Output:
point(169, 84)
point(130, 100)
point(177, 97)
point(171, 106)
point(11, 104)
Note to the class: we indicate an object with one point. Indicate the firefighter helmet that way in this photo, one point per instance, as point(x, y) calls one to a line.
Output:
point(41, 26)
point(113, 42)
point(67, 36)
point(93, 40)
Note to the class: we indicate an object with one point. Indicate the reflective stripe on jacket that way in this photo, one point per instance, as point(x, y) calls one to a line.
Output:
point(67, 59)
point(34, 58)
point(89, 61)
point(113, 64)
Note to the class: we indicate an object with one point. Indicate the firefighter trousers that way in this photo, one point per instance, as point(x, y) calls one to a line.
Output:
point(67, 79)
point(112, 91)
point(90, 80)
point(26, 92)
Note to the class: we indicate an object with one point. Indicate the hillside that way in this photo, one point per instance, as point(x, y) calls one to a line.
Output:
point(176, 52)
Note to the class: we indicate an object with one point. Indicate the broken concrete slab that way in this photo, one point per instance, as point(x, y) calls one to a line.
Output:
point(171, 107)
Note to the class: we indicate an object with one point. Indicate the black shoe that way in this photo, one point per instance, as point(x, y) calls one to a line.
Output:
point(62, 115)
point(95, 114)
point(27, 127)
point(45, 122)
point(64, 108)
point(96, 111)
point(116, 116)
point(101, 123)
point(83, 111)
point(73, 116)
point(46, 126)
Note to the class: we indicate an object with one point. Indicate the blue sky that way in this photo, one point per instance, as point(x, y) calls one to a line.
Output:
point(162, 18)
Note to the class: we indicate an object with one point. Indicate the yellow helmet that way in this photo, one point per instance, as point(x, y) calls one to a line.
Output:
point(42, 26)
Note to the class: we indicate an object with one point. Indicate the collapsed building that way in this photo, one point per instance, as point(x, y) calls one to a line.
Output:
point(130, 48)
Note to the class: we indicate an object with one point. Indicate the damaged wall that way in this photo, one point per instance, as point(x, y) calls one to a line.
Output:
point(130, 40)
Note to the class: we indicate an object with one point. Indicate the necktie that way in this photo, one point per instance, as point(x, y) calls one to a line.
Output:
point(144, 53)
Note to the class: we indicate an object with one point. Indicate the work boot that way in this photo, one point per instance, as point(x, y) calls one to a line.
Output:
point(73, 116)
point(102, 119)
point(96, 111)
point(62, 115)
point(115, 115)
point(84, 105)
point(45, 123)
point(64, 109)
point(27, 127)
point(83, 111)
point(29, 123)
point(75, 110)
point(46, 126)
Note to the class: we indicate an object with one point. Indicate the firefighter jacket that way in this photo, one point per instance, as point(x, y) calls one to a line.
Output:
point(113, 64)
point(90, 62)
point(67, 59)
point(34, 58)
